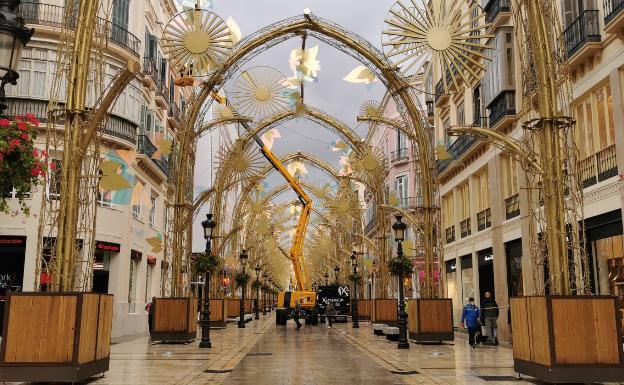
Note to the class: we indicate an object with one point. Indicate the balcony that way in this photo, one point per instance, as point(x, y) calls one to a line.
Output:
point(411, 203)
point(497, 12)
point(162, 93)
point(502, 107)
point(399, 156)
point(449, 234)
point(54, 16)
point(147, 148)
point(512, 206)
point(582, 37)
point(461, 145)
point(598, 167)
point(174, 115)
point(442, 164)
point(115, 126)
point(484, 219)
point(614, 17)
point(430, 110)
point(150, 71)
point(465, 228)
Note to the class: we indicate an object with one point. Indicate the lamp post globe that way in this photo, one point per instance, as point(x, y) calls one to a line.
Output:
point(13, 37)
point(208, 225)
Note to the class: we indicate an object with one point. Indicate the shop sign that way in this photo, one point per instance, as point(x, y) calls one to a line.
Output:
point(108, 246)
point(12, 241)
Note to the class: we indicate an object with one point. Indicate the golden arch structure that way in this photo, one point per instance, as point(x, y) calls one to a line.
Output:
point(354, 46)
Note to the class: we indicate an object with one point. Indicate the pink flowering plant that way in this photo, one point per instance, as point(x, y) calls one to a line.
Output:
point(22, 166)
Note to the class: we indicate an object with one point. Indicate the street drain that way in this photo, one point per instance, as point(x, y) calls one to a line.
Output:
point(260, 354)
point(217, 371)
point(404, 372)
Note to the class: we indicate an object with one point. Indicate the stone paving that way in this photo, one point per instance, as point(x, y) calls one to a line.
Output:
point(264, 353)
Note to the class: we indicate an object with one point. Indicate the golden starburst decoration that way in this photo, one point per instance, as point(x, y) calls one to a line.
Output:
point(196, 41)
point(222, 112)
point(344, 203)
point(239, 159)
point(259, 92)
point(423, 34)
point(371, 108)
point(370, 165)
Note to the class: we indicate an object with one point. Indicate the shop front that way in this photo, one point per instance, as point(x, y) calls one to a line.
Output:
point(486, 272)
point(605, 244)
point(452, 289)
point(513, 254)
point(104, 252)
point(12, 255)
point(467, 279)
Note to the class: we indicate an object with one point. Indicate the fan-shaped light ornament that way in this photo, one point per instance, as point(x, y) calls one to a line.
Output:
point(421, 35)
point(371, 108)
point(259, 92)
point(196, 41)
point(223, 112)
point(241, 160)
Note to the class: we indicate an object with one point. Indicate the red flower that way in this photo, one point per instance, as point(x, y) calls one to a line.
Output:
point(35, 152)
point(22, 126)
point(44, 153)
point(4, 122)
point(32, 119)
point(14, 143)
point(53, 166)
point(36, 171)
point(25, 136)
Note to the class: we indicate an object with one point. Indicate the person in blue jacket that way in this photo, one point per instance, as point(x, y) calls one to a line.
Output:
point(470, 318)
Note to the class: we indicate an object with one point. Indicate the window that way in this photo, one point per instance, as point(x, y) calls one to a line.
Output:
point(54, 187)
point(477, 106)
point(132, 283)
point(120, 13)
point(461, 114)
point(148, 283)
point(105, 198)
point(401, 190)
point(510, 186)
point(138, 200)
point(499, 74)
point(595, 128)
point(152, 213)
point(448, 217)
point(463, 210)
point(481, 194)
point(572, 9)
point(401, 141)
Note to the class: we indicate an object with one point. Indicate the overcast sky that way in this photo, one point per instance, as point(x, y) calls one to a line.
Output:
point(330, 93)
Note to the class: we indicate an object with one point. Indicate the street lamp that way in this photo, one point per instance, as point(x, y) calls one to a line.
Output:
point(243, 261)
point(326, 276)
point(354, 309)
point(208, 225)
point(257, 304)
point(372, 288)
point(398, 228)
point(13, 37)
point(265, 277)
point(314, 286)
point(336, 271)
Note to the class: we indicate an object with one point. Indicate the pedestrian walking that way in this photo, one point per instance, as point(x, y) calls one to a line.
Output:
point(470, 320)
point(297, 314)
point(150, 308)
point(330, 310)
point(490, 315)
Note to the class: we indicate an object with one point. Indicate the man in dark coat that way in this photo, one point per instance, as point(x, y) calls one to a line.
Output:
point(490, 315)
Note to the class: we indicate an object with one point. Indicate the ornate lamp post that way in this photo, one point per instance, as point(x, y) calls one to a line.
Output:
point(372, 288)
point(354, 309)
point(257, 301)
point(13, 37)
point(336, 271)
point(398, 228)
point(265, 277)
point(326, 276)
point(209, 224)
point(243, 261)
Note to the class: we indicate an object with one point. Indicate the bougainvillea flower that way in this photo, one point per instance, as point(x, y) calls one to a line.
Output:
point(25, 136)
point(4, 122)
point(23, 126)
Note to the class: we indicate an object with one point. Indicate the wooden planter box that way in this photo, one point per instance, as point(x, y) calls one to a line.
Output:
point(218, 313)
point(233, 307)
point(55, 337)
point(364, 309)
point(430, 320)
point(384, 311)
point(175, 320)
point(567, 338)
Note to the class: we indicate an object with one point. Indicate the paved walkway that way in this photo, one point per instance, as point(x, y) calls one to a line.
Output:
point(264, 353)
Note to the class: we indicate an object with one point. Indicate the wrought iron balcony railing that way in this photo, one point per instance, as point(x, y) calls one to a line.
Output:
point(54, 16)
point(503, 105)
point(583, 30)
point(150, 68)
point(612, 8)
point(461, 145)
point(494, 8)
point(174, 111)
point(147, 148)
point(400, 155)
point(598, 167)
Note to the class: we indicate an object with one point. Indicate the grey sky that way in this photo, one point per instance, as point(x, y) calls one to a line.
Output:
point(330, 94)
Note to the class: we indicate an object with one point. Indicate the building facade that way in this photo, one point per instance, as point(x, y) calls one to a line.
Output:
point(148, 111)
point(482, 191)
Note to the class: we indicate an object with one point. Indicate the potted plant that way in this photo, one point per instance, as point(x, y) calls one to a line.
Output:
point(22, 165)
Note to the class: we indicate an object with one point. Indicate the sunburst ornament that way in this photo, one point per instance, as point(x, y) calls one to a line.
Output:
point(196, 41)
point(370, 165)
point(239, 159)
point(371, 108)
point(223, 112)
point(421, 35)
point(259, 92)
